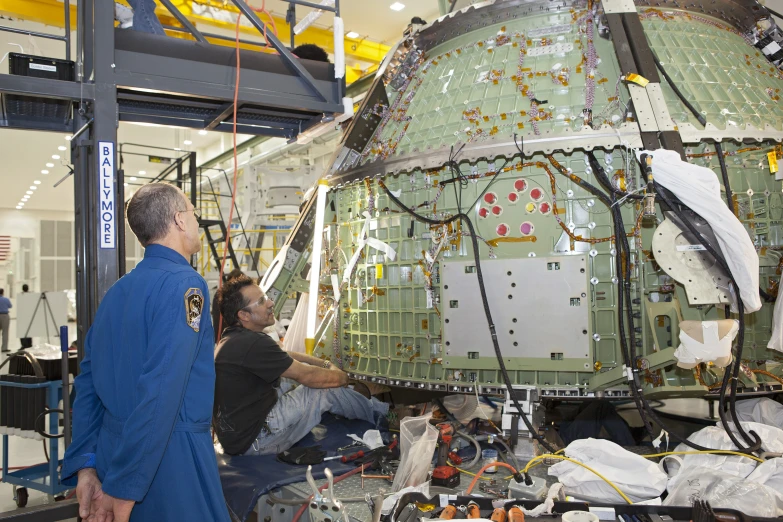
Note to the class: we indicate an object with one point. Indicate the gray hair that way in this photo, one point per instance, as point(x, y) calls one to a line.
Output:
point(150, 212)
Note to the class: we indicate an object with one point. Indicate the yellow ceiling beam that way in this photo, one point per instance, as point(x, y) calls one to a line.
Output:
point(52, 13)
point(355, 49)
point(48, 12)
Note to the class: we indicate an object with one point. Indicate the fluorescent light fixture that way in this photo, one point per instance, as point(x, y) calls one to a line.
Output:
point(18, 207)
point(133, 178)
point(396, 6)
point(142, 172)
point(29, 192)
point(202, 132)
point(50, 165)
point(352, 34)
point(33, 187)
point(62, 147)
point(24, 199)
point(177, 148)
point(37, 182)
point(55, 156)
point(187, 142)
point(68, 137)
point(125, 184)
point(44, 172)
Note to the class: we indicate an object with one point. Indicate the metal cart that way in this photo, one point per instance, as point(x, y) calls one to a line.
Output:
point(43, 477)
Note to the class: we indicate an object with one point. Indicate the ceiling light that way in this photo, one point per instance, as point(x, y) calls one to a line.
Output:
point(37, 182)
point(352, 34)
point(125, 184)
point(62, 147)
point(202, 132)
point(50, 165)
point(133, 178)
point(187, 142)
point(68, 138)
point(44, 172)
point(33, 187)
point(55, 156)
point(20, 204)
point(396, 6)
point(142, 172)
point(29, 192)
point(25, 198)
point(18, 207)
point(177, 148)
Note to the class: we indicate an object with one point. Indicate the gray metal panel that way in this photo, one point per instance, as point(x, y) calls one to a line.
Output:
point(543, 300)
point(43, 87)
point(205, 80)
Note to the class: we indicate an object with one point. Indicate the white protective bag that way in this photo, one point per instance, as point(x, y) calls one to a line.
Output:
point(763, 410)
point(699, 189)
point(637, 477)
point(721, 491)
point(770, 474)
point(417, 446)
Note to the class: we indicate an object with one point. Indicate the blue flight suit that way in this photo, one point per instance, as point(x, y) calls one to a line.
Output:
point(144, 395)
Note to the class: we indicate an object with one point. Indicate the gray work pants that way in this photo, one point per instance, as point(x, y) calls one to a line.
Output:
point(5, 321)
point(299, 410)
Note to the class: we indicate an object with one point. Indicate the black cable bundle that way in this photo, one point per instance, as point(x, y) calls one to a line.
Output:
point(484, 300)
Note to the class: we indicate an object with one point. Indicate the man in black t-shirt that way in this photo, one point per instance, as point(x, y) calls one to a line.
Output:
point(254, 414)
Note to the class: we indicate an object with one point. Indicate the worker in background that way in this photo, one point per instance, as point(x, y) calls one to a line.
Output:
point(141, 443)
point(142, 18)
point(253, 413)
point(27, 342)
point(5, 320)
point(310, 52)
point(216, 323)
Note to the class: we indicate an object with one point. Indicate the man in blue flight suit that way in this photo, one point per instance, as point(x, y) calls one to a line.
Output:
point(141, 446)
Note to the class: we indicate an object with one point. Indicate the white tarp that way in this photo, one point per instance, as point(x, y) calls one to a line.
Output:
point(699, 189)
point(763, 410)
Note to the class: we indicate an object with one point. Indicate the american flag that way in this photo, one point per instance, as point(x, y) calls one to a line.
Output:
point(5, 247)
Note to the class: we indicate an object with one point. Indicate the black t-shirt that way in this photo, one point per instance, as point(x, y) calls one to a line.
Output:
point(248, 366)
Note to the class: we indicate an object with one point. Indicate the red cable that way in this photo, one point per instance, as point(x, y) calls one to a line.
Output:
point(298, 514)
point(236, 170)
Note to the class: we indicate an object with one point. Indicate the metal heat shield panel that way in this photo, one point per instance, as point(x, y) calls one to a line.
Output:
point(541, 303)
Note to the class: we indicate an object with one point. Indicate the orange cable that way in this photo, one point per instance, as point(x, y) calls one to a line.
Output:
point(488, 465)
point(236, 170)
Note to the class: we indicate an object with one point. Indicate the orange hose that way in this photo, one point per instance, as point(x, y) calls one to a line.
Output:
point(236, 170)
point(486, 466)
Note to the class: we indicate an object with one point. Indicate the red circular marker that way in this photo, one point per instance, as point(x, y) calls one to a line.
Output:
point(497, 210)
point(536, 194)
point(502, 229)
point(483, 212)
point(513, 197)
point(544, 208)
point(490, 198)
point(520, 185)
point(526, 228)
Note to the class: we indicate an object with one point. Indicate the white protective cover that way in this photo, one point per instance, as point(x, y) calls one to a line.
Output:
point(699, 189)
point(710, 348)
point(763, 411)
point(637, 477)
point(770, 473)
point(721, 491)
point(776, 339)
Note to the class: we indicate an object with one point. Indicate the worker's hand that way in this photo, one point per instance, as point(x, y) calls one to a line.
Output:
point(88, 491)
point(110, 509)
point(343, 377)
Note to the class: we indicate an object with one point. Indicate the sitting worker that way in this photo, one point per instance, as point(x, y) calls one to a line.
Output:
point(142, 18)
point(253, 413)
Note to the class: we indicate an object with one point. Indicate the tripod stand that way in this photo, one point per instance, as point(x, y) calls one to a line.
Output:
point(46, 308)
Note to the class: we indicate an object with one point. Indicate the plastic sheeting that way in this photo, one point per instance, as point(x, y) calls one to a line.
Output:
point(721, 491)
point(770, 474)
point(636, 476)
point(763, 411)
point(776, 339)
point(295, 337)
point(698, 188)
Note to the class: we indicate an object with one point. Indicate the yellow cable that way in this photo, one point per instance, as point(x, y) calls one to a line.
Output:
point(542, 457)
point(469, 473)
point(718, 452)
